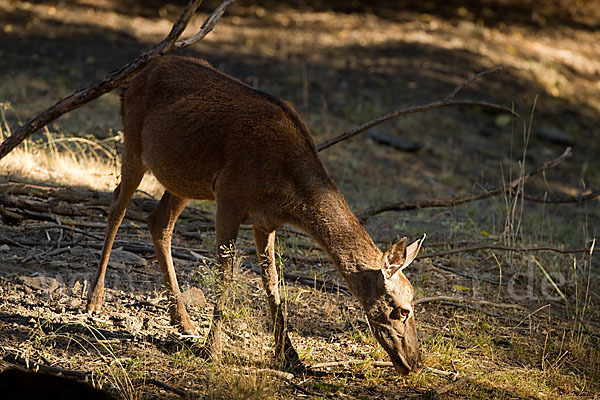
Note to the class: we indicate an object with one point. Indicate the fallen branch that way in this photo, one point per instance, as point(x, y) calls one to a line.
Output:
point(65, 227)
point(116, 78)
point(461, 199)
point(503, 248)
point(450, 374)
point(61, 195)
point(166, 386)
point(447, 102)
point(14, 358)
point(268, 372)
point(348, 363)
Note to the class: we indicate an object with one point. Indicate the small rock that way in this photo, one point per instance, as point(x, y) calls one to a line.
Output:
point(43, 283)
point(75, 303)
point(4, 247)
point(396, 142)
point(78, 251)
point(119, 257)
point(76, 289)
point(503, 120)
point(194, 297)
point(554, 136)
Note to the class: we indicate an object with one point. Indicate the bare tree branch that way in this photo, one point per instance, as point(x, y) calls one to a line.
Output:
point(461, 199)
point(117, 77)
point(467, 81)
point(207, 26)
point(447, 102)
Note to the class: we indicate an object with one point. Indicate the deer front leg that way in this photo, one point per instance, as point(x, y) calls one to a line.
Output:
point(284, 350)
point(132, 174)
point(161, 223)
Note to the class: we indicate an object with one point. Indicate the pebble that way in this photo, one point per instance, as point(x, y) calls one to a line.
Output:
point(554, 136)
point(194, 297)
point(43, 283)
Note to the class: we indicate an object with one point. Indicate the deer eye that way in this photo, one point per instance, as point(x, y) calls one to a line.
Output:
point(399, 314)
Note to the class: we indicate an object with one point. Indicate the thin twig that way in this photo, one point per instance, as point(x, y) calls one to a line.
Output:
point(166, 386)
point(468, 81)
point(207, 26)
point(447, 102)
point(65, 227)
point(435, 393)
point(461, 199)
point(47, 253)
point(440, 372)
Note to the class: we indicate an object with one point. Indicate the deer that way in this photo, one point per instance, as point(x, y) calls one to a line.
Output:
point(206, 135)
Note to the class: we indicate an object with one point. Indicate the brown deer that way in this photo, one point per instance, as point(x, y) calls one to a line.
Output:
point(206, 135)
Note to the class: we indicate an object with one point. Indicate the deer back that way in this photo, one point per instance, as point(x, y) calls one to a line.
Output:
point(205, 134)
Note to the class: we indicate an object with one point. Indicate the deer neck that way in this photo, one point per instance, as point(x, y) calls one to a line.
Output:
point(336, 229)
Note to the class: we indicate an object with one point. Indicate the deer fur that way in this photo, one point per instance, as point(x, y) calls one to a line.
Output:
point(206, 135)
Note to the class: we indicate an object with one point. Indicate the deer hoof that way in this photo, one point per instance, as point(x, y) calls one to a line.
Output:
point(94, 303)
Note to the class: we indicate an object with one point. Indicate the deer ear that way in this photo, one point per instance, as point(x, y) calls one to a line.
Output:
point(399, 256)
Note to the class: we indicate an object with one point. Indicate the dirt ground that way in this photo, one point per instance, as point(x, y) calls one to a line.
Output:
point(506, 334)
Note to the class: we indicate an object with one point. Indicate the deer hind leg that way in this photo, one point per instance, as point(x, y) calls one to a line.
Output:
point(161, 223)
point(132, 173)
point(265, 248)
point(228, 220)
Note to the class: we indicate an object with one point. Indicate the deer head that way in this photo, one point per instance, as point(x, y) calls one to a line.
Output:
point(389, 306)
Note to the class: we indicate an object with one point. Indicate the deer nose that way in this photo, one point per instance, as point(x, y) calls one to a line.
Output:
point(418, 366)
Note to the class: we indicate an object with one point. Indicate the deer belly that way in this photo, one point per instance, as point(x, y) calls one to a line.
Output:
point(183, 177)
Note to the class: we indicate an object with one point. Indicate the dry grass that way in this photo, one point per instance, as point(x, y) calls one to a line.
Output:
point(69, 161)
